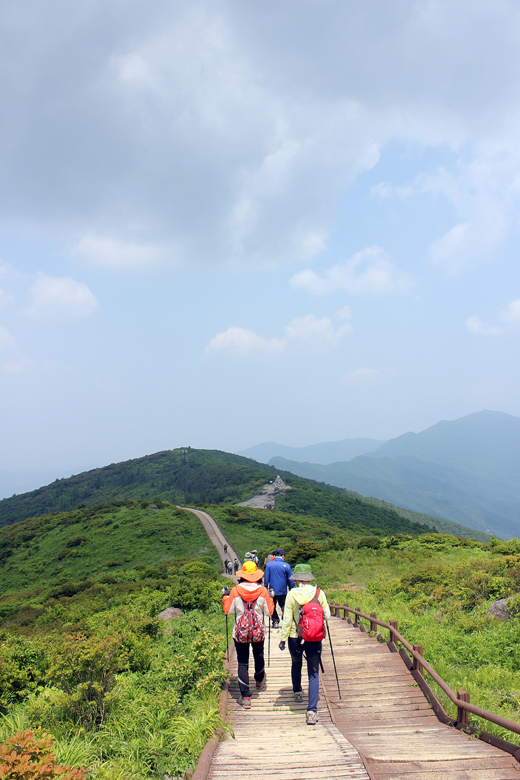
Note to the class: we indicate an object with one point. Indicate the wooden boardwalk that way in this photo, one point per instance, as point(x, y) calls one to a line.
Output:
point(272, 739)
point(382, 728)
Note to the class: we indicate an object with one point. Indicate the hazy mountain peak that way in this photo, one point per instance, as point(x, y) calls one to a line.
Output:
point(325, 452)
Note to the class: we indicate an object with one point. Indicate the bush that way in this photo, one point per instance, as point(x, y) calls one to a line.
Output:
point(28, 756)
point(195, 594)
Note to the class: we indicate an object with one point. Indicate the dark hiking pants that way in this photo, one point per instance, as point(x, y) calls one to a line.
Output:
point(242, 649)
point(312, 652)
point(281, 601)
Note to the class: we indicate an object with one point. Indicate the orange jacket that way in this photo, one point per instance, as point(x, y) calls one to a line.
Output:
point(248, 592)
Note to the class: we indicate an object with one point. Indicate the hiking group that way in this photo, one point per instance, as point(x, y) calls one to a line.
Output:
point(304, 610)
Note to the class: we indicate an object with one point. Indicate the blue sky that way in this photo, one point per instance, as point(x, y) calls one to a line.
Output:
point(222, 224)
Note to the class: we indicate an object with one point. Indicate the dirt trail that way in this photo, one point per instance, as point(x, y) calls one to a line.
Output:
point(216, 536)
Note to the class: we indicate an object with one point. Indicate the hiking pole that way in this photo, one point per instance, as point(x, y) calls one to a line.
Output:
point(333, 659)
point(269, 644)
point(227, 640)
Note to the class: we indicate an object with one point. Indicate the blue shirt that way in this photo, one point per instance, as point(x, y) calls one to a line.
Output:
point(278, 576)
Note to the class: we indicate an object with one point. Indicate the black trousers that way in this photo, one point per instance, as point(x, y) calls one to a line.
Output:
point(242, 649)
point(281, 601)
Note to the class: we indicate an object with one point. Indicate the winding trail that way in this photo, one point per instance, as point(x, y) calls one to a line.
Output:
point(216, 536)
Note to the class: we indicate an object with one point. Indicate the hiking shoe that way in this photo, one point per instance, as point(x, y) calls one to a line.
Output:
point(276, 625)
point(245, 701)
point(298, 696)
point(261, 684)
point(312, 718)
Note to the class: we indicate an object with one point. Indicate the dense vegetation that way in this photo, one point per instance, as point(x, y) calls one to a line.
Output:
point(86, 543)
point(350, 513)
point(438, 588)
point(304, 535)
point(438, 523)
point(122, 693)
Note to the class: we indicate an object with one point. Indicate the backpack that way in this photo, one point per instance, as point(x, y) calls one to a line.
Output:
point(249, 627)
point(311, 627)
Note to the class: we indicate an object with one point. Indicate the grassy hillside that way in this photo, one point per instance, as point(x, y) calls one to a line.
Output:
point(200, 476)
point(90, 542)
point(123, 694)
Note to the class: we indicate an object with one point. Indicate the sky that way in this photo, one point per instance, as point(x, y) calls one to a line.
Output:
point(228, 223)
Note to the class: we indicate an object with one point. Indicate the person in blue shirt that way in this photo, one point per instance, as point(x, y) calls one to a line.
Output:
point(278, 580)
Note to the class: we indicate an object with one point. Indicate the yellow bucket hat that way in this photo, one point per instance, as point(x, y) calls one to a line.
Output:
point(250, 572)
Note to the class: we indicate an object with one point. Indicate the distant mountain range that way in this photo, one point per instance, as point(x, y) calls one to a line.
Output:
point(466, 471)
point(328, 452)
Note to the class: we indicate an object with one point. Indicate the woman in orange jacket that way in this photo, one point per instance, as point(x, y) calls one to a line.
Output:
point(250, 602)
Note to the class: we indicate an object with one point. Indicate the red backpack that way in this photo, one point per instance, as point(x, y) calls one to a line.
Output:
point(249, 627)
point(311, 627)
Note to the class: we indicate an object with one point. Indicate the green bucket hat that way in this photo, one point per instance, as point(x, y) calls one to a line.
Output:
point(303, 573)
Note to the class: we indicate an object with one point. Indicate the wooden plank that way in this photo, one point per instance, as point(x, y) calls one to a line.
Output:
point(383, 724)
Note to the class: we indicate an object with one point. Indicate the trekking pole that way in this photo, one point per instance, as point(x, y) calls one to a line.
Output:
point(227, 640)
point(333, 659)
point(269, 644)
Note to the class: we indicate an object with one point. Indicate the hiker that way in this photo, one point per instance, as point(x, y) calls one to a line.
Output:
point(250, 602)
point(225, 548)
point(254, 554)
point(236, 565)
point(306, 610)
point(278, 579)
point(226, 566)
point(229, 567)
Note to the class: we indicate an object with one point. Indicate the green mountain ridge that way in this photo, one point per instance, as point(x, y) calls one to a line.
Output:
point(180, 476)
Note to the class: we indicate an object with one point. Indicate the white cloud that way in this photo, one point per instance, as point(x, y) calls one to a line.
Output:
point(60, 297)
point(363, 376)
point(482, 193)
point(6, 339)
point(384, 190)
point(242, 342)
point(345, 313)
point(308, 332)
point(478, 328)
point(510, 318)
point(367, 272)
point(218, 129)
point(311, 330)
point(511, 315)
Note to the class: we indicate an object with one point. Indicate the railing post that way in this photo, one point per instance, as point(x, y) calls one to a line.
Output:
point(417, 665)
point(345, 611)
point(357, 610)
point(462, 714)
point(393, 623)
point(373, 626)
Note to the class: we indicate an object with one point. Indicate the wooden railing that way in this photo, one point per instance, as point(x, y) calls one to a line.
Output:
point(418, 666)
